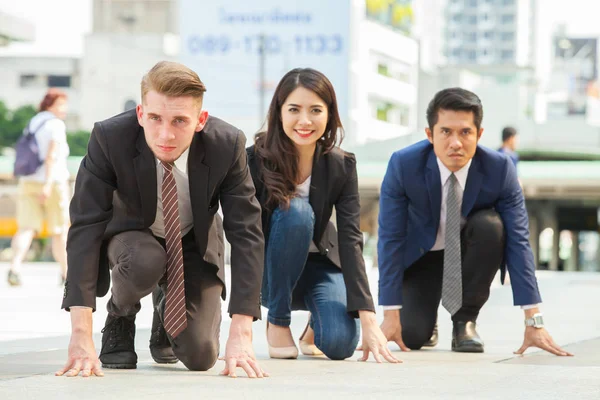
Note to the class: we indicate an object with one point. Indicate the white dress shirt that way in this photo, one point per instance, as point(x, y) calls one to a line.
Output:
point(440, 240)
point(184, 202)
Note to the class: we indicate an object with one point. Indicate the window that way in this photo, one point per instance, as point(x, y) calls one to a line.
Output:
point(63, 81)
point(383, 109)
point(472, 3)
point(471, 36)
point(488, 34)
point(507, 19)
point(391, 68)
point(473, 19)
point(507, 55)
point(507, 36)
point(30, 81)
point(471, 55)
point(382, 69)
point(393, 113)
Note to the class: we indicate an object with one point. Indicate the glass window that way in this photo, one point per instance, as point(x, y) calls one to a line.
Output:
point(382, 69)
point(507, 18)
point(30, 80)
point(508, 36)
point(63, 81)
point(507, 55)
point(383, 111)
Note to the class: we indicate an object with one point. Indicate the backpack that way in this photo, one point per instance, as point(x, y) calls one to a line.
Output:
point(27, 160)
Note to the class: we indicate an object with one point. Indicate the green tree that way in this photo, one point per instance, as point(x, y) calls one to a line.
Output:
point(12, 123)
point(78, 142)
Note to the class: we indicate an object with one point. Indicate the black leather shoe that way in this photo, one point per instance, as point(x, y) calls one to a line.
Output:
point(118, 347)
point(160, 347)
point(433, 340)
point(465, 338)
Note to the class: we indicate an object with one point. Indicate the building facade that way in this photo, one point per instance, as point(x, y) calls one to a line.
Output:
point(488, 32)
point(127, 39)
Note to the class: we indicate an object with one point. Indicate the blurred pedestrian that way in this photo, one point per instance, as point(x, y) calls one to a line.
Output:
point(509, 144)
point(44, 194)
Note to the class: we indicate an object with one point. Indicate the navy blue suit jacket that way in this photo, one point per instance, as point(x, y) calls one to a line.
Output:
point(411, 196)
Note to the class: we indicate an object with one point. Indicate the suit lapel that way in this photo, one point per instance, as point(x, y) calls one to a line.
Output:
point(198, 173)
point(472, 187)
point(319, 179)
point(145, 173)
point(434, 186)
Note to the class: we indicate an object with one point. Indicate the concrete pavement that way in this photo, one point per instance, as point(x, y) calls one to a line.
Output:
point(34, 338)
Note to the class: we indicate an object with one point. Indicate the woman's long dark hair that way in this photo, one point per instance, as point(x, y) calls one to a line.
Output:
point(278, 154)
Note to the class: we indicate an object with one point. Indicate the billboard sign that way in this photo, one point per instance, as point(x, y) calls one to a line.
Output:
point(241, 49)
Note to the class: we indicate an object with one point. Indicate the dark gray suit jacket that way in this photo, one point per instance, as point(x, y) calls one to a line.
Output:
point(333, 183)
point(116, 191)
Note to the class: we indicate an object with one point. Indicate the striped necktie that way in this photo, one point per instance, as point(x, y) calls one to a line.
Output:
point(175, 320)
point(452, 281)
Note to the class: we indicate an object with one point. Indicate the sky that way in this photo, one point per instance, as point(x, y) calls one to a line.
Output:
point(61, 24)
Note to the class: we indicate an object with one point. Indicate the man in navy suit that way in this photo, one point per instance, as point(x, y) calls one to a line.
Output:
point(451, 214)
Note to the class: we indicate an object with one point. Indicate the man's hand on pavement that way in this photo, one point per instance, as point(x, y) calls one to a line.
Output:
point(239, 351)
point(539, 337)
point(82, 358)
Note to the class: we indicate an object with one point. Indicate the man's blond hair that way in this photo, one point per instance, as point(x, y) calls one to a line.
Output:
point(173, 80)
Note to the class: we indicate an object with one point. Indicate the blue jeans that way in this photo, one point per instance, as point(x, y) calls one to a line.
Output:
point(295, 280)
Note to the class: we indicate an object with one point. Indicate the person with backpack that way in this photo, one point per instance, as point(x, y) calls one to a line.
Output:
point(43, 191)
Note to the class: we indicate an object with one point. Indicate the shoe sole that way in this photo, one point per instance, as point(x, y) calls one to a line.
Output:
point(119, 366)
point(166, 360)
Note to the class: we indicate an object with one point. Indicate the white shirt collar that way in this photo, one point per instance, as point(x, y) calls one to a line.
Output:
point(181, 162)
point(461, 174)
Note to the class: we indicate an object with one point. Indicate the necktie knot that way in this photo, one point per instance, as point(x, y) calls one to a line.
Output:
point(167, 166)
point(453, 178)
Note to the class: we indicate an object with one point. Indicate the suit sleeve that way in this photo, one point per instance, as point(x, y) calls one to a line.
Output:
point(242, 224)
point(350, 240)
point(393, 214)
point(90, 211)
point(518, 254)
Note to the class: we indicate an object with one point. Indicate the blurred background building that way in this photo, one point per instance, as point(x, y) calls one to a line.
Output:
point(534, 63)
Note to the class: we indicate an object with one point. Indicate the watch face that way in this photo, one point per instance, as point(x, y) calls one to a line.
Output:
point(538, 321)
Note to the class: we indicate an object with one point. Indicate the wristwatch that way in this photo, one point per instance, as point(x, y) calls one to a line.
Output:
point(537, 321)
